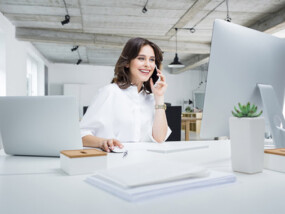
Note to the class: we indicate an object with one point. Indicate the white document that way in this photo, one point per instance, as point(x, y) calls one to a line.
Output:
point(166, 148)
point(146, 180)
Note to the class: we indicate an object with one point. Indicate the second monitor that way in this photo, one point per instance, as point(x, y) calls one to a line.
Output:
point(240, 59)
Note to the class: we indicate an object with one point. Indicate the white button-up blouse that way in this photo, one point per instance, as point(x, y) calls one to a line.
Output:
point(122, 114)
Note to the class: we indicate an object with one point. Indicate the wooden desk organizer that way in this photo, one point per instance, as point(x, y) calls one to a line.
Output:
point(82, 161)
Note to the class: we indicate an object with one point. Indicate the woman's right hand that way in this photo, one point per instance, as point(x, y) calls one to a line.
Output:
point(109, 144)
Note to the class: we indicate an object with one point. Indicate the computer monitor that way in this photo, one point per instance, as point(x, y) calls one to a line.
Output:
point(240, 59)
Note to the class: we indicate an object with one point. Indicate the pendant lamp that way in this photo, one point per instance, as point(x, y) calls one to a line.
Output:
point(176, 63)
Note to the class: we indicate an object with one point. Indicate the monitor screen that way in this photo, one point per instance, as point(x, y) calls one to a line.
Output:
point(240, 58)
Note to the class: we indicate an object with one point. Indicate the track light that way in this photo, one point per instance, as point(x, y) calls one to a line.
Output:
point(74, 48)
point(66, 17)
point(144, 10)
point(66, 20)
point(79, 61)
point(192, 30)
point(79, 57)
point(228, 19)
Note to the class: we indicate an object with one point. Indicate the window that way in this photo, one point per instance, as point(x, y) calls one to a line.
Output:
point(32, 76)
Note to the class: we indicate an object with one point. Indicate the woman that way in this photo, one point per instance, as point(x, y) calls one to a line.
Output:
point(131, 108)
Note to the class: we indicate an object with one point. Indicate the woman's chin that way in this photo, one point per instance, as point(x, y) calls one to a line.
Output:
point(145, 79)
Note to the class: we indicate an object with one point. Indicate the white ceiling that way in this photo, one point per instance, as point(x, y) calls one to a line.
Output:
point(101, 28)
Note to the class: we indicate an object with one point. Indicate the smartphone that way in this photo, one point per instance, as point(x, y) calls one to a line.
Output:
point(154, 75)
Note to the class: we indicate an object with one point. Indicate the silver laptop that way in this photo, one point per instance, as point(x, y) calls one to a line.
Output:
point(39, 126)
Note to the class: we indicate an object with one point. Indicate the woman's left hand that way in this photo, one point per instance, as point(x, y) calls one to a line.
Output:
point(159, 88)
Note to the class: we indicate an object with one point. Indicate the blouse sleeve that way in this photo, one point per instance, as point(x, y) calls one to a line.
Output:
point(97, 114)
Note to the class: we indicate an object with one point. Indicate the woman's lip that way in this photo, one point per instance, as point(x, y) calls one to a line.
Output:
point(144, 70)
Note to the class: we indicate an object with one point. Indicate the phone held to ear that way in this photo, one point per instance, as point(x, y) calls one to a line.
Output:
point(154, 75)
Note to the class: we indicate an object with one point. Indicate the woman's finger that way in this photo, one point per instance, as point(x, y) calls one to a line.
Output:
point(162, 77)
point(117, 143)
point(105, 146)
point(110, 144)
point(161, 84)
point(159, 73)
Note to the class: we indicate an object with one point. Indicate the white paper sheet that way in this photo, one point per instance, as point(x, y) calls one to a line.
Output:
point(147, 180)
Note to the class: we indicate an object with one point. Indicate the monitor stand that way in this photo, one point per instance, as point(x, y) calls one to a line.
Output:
point(273, 114)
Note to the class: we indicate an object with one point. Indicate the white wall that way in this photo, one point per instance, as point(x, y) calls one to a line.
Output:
point(2, 65)
point(13, 69)
point(13, 62)
point(180, 86)
point(60, 74)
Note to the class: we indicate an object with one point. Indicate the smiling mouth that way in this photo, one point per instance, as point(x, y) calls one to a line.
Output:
point(144, 71)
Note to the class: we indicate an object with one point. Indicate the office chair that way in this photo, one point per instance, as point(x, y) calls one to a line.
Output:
point(173, 114)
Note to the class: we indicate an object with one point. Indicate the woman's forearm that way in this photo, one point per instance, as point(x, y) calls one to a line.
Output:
point(159, 128)
point(102, 143)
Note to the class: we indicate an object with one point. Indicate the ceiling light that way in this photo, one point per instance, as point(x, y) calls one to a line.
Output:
point(79, 61)
point(79, 57)
point(74, 48)
point(66, 20)
point(176, 63)
point(144, 10)
point(66, 17)
point(228, 19)
point(192, 30)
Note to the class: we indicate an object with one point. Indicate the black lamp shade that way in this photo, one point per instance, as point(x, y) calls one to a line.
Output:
point(176, 63)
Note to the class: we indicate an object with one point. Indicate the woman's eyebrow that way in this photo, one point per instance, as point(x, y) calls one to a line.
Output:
point(145, 56)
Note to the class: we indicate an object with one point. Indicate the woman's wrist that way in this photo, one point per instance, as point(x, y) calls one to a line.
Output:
point(159, 100)
point(102, 141)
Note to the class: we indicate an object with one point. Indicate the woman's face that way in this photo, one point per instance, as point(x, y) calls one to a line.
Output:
point(141, 67)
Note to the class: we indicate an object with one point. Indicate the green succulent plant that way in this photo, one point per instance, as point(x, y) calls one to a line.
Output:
point(247, 110)
point(188, 109)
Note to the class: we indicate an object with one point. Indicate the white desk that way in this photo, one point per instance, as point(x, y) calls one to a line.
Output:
point(37, 185)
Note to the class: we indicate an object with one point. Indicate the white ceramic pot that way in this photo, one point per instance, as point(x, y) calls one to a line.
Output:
point(247, 144)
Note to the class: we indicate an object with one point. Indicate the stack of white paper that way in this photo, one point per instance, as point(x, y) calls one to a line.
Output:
point(169, 148)
point(146, 180)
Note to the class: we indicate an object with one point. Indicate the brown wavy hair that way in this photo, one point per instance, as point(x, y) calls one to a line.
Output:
point(122, 76)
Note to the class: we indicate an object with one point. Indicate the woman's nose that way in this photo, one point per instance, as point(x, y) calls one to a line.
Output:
point(147, 63)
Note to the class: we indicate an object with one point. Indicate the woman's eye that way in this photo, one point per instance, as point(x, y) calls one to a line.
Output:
point(152, 60)
point(140, 58)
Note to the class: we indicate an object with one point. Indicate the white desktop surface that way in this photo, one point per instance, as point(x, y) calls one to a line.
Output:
point(37, 185)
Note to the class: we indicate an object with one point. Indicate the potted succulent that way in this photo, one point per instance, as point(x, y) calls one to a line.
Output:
point(247, 139)
point(188, 109)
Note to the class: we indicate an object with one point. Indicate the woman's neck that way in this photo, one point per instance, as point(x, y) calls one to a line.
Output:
point(138, 85)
